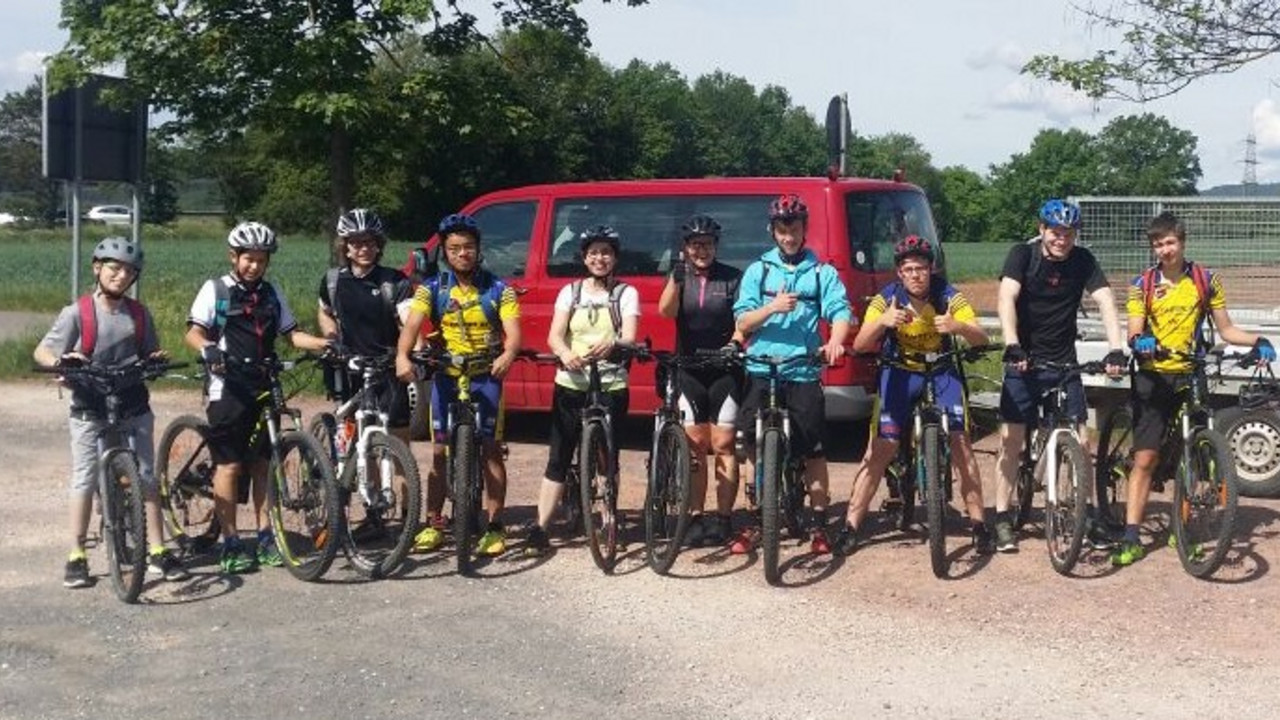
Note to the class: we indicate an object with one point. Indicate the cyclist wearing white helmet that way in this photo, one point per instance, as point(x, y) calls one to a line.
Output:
point(106, 327)
point(233, 324)
point(363, 304)
point(1040, 290)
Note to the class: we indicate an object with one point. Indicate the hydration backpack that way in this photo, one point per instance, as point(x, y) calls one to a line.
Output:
point(89, 323)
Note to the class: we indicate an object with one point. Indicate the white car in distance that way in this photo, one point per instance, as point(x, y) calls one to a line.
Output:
point(110, 214)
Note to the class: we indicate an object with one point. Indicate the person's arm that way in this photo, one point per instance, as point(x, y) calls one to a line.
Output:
point(408, 339)
point(557, 336)
point(306, 341)
point(669, 301)
point(963, 321)
point(324, 318)
point(509, 311)
point(1007, 309)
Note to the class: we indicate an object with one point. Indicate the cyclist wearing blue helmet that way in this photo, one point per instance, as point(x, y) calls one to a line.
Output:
point(1040, 290)
point(471, 310)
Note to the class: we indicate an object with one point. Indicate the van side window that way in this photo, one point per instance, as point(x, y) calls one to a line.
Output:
point(507, 229)
point(650, 230)
point(878, 220)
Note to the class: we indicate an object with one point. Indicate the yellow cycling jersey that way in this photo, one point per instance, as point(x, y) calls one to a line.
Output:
point(463, 325)
point(1175, 315)
point(919, 335)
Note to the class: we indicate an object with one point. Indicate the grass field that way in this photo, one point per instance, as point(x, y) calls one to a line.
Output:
point(35, 275)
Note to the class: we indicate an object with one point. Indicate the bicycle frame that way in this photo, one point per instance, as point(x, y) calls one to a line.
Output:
point(370, 419)
point(1042, 441)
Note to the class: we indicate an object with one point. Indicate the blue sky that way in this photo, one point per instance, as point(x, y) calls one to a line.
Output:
point(944, 71)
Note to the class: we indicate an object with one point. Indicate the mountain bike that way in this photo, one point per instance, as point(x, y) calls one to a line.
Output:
point(1194, 456)
point(779, 477)
point(465, 481)
point(926, 470)
point(119, 484)
point(302, 494)
point(670, 463)
point(378, 481)
point(596, 466)
point(1053, 458)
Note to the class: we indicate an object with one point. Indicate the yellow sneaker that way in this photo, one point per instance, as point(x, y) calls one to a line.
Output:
point(428, 539)
point(493, 542)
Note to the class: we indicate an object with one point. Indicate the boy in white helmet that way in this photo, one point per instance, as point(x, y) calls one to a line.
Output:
point(239, 316)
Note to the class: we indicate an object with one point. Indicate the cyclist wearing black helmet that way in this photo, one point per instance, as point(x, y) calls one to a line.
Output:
point(699, 295)
point(918, 313)
point(592, 316)
point(471, 310)
point(362, 305)
point(106, 327)
point(782, 297)
point(1040, 291)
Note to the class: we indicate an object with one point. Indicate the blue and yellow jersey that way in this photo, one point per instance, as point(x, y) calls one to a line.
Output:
point(1175, 315)
point(463, 325)
point(919, 335)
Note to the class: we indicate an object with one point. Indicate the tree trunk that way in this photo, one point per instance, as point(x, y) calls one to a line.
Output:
point(342, 179)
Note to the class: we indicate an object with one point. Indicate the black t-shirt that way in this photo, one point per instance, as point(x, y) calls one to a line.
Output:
point(367, 318)
point(705, 321)
point(1048, 302)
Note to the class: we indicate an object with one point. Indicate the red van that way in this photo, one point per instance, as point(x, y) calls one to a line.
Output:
point(530, 239)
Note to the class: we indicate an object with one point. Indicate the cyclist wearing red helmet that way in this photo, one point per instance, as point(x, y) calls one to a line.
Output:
point(780, 301)
point(1040, 290)
point(918, 313)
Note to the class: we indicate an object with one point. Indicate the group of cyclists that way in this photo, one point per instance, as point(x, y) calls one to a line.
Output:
point(772, 309)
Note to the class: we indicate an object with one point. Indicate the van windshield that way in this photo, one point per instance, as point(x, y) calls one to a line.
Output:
point(650, 230)
point(878, 220)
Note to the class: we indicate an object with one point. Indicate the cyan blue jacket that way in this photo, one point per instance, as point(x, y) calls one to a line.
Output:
point(795, 332)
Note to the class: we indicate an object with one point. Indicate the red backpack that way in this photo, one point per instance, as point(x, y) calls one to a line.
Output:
point(89, 323)
point(1199, 276)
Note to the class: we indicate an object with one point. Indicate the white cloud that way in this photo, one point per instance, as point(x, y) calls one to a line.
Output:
point(1057, 102)
point(1266, 127)
point(17, 71)
point(1007, 55)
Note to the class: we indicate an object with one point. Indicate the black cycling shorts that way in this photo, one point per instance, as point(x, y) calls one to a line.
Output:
point(566, 426)
point(805, 406)
point(710, 396)
point(1155, 400)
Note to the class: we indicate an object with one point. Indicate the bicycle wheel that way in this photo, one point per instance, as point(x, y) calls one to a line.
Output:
point(125, 526)
point(1111, 467)
point(324, 428)
point(1254, 437)
point(933, 478)
point(571, 503)
point(184, 470)
point(599, 496)
point(770, 501)
point(1204, 504)
point(666, 503)
point(1066, 519)
point(1024, 493)
point(464, 480)
point(302, 497)
point(379, 521)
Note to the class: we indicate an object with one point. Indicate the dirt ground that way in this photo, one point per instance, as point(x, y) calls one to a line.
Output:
point(874, 635)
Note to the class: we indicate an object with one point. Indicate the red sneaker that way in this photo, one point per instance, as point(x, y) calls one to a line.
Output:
point(745, 541)
point(818, 543)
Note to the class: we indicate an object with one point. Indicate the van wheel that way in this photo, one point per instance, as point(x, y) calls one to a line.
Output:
point(419, 417)
point(1254, 438)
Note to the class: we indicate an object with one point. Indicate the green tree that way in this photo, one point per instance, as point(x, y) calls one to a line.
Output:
point(1059, 163)
point(1166, 45)
point(223, 65)
point(23, 190)
point(1146, 155)
point(965, 216)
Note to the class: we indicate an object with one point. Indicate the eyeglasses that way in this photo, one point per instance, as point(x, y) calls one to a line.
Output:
point(915, 270)
point(117, 268)
point(460, 250)
point(361, 242)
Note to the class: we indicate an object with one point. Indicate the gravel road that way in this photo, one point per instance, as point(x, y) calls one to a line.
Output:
point(871, 636)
